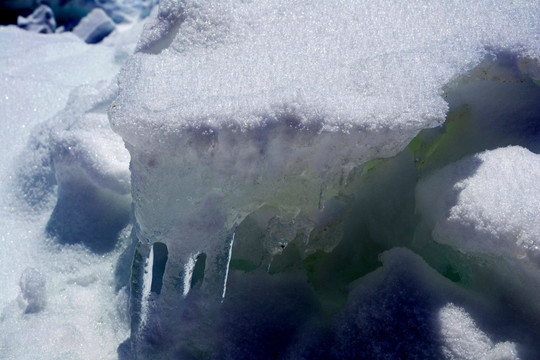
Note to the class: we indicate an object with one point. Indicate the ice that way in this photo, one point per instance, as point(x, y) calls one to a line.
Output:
point(266, 221)
point(40, 21)
point(406, 310)
point(463, 339)
point(94, 27)
point(366, 69)
point(69, 12)
point(229, 107)
point(487, 204)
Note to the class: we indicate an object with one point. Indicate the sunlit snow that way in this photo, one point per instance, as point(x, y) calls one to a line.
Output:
point(271, 180)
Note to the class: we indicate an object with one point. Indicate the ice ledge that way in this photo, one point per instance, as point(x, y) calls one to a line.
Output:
point(376, 69)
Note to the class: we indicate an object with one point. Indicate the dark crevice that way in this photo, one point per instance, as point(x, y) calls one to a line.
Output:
point(198, 271)
point(161, 254)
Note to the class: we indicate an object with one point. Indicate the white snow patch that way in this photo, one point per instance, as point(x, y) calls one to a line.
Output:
point(487, 204)
point(375, 67)
point(464, 341)
point(58, 301)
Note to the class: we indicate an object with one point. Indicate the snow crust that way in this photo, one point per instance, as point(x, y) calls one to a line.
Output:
point(363, 68)
point(487, 204)
point(463, 339)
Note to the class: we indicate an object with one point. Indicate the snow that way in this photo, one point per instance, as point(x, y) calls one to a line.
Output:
point(230, 106)
point(33, 296)
point(487, 204)
point(431, 324)
point(38, 71)
point(59, 298)
point(260, 227)
point(69, 12)
point(41, 21)
point(375, 69)
point(463, 339)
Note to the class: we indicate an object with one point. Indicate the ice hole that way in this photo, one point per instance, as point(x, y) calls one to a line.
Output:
point(161, 255)
point(198, 271)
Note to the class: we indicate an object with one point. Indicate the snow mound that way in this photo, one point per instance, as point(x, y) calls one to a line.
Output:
point(77, 151)
point(228, 106)
point(38, 72)
point(375, 68)
point(463, 339)
point(60, 297)
point(487, 204)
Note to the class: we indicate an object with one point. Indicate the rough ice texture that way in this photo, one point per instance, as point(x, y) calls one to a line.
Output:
point(487, 204)
point(363, 68)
